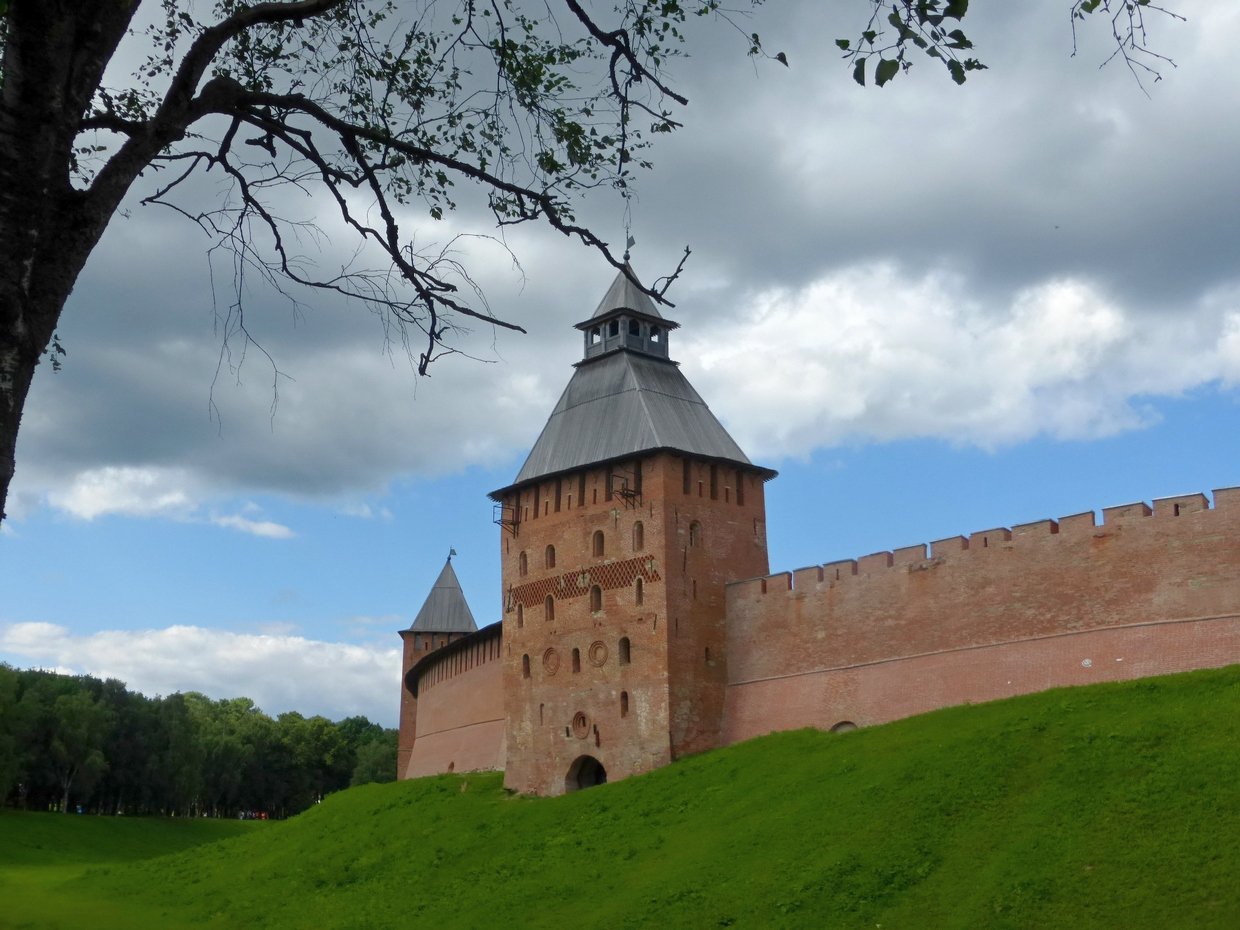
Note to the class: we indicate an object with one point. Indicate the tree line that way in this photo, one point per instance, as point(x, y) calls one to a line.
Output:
point(82, 743)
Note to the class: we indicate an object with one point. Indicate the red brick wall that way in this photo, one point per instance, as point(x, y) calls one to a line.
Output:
point(556, 714)
point(415, 648)
point(674, 694)
point(460, 710)
point(408, 706)
point(729, 543)
point(902, 632)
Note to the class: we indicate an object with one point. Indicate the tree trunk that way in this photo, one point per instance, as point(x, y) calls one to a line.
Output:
point(55, 52)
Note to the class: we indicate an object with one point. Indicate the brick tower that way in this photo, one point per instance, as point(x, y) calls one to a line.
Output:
point(445, 617)
point(633, 510)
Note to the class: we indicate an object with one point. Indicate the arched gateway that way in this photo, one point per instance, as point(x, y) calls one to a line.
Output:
point(585, 772)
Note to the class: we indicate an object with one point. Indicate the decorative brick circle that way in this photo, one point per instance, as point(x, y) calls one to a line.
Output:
point(581, 725)
point(551, 661)
point(598, 653)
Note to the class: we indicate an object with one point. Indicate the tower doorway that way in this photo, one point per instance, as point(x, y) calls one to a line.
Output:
point(585, 772)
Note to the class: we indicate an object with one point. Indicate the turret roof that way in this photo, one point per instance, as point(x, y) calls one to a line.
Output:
point(625, 295)
point(445, 609)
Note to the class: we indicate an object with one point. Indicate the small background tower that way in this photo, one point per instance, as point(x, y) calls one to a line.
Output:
point(444, 618)
point(632, 511)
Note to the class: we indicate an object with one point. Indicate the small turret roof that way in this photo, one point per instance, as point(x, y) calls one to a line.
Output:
point(445, 609)
point(625, 295)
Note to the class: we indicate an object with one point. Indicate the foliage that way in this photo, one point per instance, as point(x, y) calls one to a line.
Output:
point(932, 27)
point(1095, 807)
point(69, 741)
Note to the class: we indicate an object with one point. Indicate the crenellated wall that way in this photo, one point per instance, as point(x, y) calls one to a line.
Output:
point(1149, 590)
point(458, 698)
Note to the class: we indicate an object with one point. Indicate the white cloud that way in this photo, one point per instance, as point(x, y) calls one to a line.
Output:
point(871, 353)
point(264, 528)
point(132, 491)
point(279, 672)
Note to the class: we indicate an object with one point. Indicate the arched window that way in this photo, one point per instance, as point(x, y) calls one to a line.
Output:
point(525, 666)
point(635, 328)
point(624, 703)
point(613, 328)
point(639, 536)
point(598, 543)
point(624, 650)
point(549, 557)
point(576, 659)
point(520, 616)
point(655, 334)
point(595, 335)
point(638, 593)
point(596, 598)
point(523, 564)
point(695, 533)
point(549, 608)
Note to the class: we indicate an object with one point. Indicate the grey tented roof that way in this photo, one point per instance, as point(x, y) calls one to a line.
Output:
point(624, 295)
point(445, 610)
point(623, 404)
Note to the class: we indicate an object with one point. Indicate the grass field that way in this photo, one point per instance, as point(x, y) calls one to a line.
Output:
point(1115, 806)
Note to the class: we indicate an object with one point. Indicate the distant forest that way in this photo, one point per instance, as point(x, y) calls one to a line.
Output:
point(70, 742)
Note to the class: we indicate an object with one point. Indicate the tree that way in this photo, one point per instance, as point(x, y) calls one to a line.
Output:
point(376, 759)
point(408, 106)
point(82, 727)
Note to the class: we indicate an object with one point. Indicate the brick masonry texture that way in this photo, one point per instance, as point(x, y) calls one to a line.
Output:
point(1001, 612)
point(666, 636)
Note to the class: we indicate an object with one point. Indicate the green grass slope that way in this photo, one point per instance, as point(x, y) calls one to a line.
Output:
point(1116, 806)
point(41, 855)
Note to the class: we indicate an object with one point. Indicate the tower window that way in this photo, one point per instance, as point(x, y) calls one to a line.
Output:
point(655, 334)
point(598, 543)
point(624, 703)
point(520, 616)
point(639, 536)
point(595, 335)
point(549, 608)
point(613, 328)
point(523, 564)
point(549, 556)
point(525, 666)
point(576, 659)
point(596, 598)
point(695, 533)
point(638, 593)
point(624, 650)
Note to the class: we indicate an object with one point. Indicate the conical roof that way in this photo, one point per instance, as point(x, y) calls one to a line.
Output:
point(445, 609)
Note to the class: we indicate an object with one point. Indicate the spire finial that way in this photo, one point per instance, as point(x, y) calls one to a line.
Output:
point(451, 553)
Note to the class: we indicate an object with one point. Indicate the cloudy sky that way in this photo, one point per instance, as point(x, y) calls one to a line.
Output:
point(933, 309)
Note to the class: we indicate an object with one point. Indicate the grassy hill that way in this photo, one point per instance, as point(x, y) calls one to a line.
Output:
point(1116, 806)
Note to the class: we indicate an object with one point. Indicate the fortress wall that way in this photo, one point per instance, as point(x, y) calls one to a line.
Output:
point(1150, 590)
point(460, 712)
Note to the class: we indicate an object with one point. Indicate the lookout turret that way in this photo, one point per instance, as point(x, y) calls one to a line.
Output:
point(626, 318)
